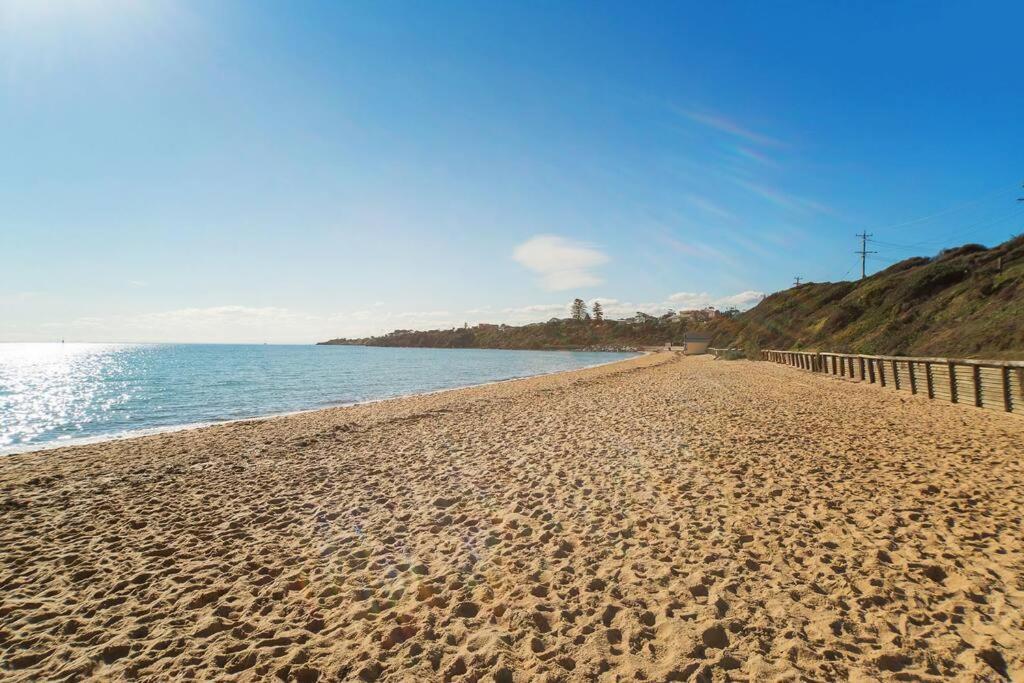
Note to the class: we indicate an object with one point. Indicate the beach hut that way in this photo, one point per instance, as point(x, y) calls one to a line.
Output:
point(695, 343)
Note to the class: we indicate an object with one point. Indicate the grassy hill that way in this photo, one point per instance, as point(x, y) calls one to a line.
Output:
point(965, 302)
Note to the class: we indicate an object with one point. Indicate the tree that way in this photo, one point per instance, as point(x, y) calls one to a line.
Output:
point(598, 311)
point(579, 310)
point(680, 332)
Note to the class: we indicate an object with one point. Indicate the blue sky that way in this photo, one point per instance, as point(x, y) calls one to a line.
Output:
point(287, 172)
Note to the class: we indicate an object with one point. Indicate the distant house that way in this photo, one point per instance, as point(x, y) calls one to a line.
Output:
point(695, 343)
point(642, 318)
point(700, 315)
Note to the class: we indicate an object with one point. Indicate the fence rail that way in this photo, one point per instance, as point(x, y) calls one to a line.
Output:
point(992, 384)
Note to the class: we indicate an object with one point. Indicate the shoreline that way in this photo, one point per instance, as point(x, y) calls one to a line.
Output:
point(171, 429)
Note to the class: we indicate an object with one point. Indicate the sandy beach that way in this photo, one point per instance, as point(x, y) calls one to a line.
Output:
point(663, 518)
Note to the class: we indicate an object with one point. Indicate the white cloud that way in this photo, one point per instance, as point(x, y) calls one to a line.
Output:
point(617, 309)
point(561, 263)
point(742, 300)
point(685, 301)
point(690, 300)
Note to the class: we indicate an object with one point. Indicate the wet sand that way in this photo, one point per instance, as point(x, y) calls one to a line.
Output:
point(657, 519)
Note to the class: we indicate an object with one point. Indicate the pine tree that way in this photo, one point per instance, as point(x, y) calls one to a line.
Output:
point(579, 310)
point(598, 311)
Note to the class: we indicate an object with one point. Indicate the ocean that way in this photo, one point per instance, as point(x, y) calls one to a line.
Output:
point(60, 394)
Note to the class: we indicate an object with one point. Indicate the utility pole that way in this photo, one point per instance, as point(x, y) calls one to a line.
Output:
point(796, 281)
point(864, 252)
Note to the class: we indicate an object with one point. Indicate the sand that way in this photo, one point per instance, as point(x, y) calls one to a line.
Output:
point(664, 518)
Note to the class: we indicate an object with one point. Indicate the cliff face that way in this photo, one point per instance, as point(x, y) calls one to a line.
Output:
point(967, 301)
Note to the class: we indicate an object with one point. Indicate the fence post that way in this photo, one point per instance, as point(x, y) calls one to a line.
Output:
point(928, 379)
point(1007, 395)
point(913, 378)
point(978, 401)
point(953, 397)
point(895, 376)
point(871, 371)
point(881, 372)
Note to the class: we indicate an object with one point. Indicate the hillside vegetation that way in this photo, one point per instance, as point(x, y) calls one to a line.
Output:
point(965, 302)
point(554, 334)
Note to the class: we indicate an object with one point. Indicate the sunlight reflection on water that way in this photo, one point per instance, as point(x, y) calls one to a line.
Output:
point(50, 393)
point(56, 388)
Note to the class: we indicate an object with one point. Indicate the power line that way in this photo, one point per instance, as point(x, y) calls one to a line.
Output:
point(953, 209)
point(864, 252)
point(959, 233)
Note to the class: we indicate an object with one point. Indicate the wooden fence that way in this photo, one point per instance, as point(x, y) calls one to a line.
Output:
point(991, 384)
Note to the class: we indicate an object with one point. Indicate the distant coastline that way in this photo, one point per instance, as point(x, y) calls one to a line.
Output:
point(588, 349)
point(965, 302)
point(630, 335)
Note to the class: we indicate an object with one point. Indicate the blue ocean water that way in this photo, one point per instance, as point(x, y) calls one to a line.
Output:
point(53, 394)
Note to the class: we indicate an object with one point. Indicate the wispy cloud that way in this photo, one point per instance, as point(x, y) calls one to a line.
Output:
point(699, 250)
point(561, 263)
point(709, 207)
point(19, 297)
point(752, 154)
point(730, 127)
point(538, 308)
point(783, 199)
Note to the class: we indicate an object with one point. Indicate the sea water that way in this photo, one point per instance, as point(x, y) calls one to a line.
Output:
point(58, 394)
